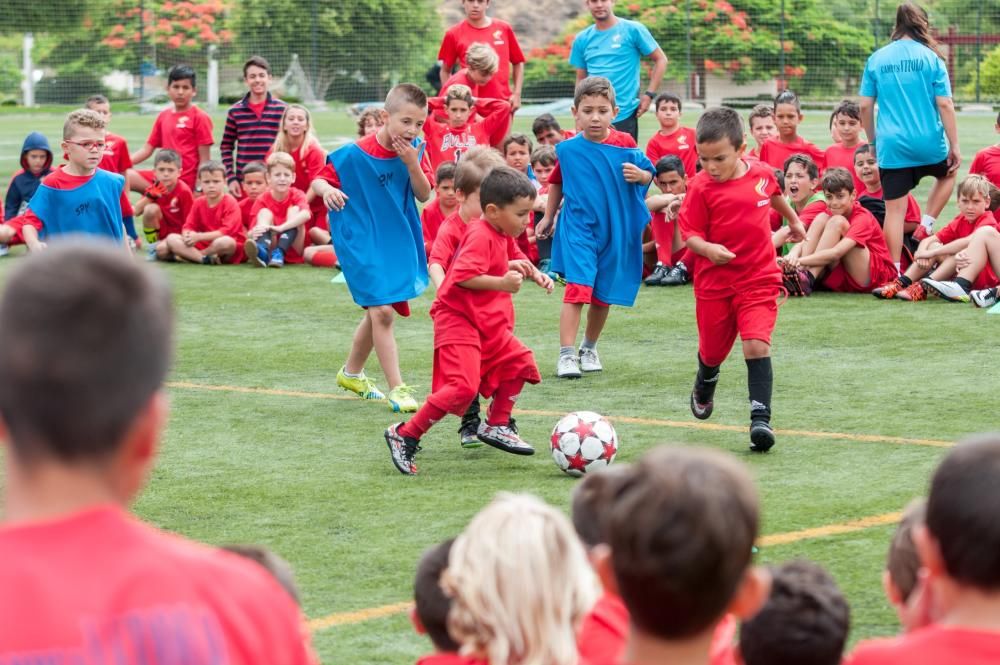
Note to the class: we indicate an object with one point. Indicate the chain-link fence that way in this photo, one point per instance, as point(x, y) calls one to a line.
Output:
point(345, 51)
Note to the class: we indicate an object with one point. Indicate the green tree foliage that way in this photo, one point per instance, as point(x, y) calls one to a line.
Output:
point(41, 15)
point(362, 47)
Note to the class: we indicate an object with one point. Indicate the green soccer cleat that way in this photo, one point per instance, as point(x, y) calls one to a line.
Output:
point(361, 386)
point(401, 399)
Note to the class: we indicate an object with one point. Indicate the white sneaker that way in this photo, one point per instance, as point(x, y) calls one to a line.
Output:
point(4, 250)
point(984, 297)
point(950, 291)
point(590, 361)
point(568, 367)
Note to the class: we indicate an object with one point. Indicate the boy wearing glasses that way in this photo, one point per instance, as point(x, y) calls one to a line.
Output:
point(77, 198)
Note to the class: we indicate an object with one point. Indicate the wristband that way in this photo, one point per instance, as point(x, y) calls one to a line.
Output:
point(651, 95)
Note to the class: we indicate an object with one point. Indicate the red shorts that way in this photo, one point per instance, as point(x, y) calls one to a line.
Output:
point(462, 370)
point(986, 279)
point(402, 308)
point(578, 294)
point(751, 314)
point(16, 224)
point(840, 280)
point(238, 256)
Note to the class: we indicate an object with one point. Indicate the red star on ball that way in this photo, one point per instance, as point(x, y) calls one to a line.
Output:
point(609, 450)
point(577, 462)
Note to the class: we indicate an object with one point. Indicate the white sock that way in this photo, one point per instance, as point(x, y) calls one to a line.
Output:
point(362, 372)
point(898, 272)
point(928, 222)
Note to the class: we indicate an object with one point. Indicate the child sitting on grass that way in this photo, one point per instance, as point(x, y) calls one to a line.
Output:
point(279, 215)
point(672, 256)
point(213, 232)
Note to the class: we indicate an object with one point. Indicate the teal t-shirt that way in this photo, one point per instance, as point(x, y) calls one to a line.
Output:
point(615, 54)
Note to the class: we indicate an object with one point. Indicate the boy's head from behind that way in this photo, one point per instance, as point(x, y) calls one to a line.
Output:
point(475, 165)
point(591, 501)
point(670, 176)
point(431, 604)
point(506, 197)
point(100, 104)
point(68, 315)
point(804, 621)
point(279, 569)
point(546, 129)
point(516, 149)
point(719, 135)
point(405, 111)
point(594, 107)
point(961, 540)
point(254, 179)
point(482, 62)
point(167, 166)
point(681, 529)
point(902, 564)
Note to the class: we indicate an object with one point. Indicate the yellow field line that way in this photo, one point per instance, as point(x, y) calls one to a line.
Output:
point(360, 616)
point(676, 424)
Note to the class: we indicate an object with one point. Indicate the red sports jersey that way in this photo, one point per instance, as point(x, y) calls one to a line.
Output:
point(447, 144)
point(810, 212)
point(59, 179)
point(774, 152)
point(681, 143)
point(183, 132)
point(246, 212)
point(449, 658)
point(461, 77)
point(101, 586)
point(279, 209)
point(116, 156)
point(498, 35)
point(865, 232)
point(933, 645)
point(225, 216)
point(371, 145)
point(309, 161)
point(843, 157)
point(431, 219)
point(615, 138)
point(987, 163)
point(449, 236)
point(736, 214)
point(175, 206)
point(960, 227)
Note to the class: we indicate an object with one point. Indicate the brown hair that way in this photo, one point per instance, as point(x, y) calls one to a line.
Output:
point(279, 569)
point(836, 180)
point(405, 93)
point(912, 22)
point(256, 166)
point(760, 111)
point(481, 57)
point(475, 165)
point(96, 99)
point(544, 155)
point(167, 155)
point(432, 604)
point(594, 86)
point(903, 562)
point(461, 92)
point(503, 186)
point(256, 61)
point(68, 318)
point(372, 112)
point(518, 138)
point(805, 161)
point(681, 528)
point(82, 118)
point(211, 166)
point(591, 501)
point(720, 123)
point(805, 620)
point(445, 171)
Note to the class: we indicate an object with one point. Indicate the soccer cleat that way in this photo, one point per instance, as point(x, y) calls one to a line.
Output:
point(468, 431)
point(151, 251)
point(505, 438)
point(401, 399)
point(676, 276)
point(796, 281)
point(590, 361)
point(701, 408)
point(761, 436)
point(984, 297)
point(568, 367)
point(659, 272)
point(256, 251)
point(888, 291)
point(945, 290)
point(361, 386)
point(4, 249)
point(277, 258)
point(543, 265)
point(913, 293)
point(402, 449)
point(212, 260)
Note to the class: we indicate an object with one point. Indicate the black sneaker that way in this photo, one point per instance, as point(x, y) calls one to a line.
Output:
point(701, 406)
point(468, 431)
point(659, 272)
point(402, 449)
point(761, 436)
point(676, 276)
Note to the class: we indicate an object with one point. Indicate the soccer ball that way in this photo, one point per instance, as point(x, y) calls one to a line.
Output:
point(582, 442)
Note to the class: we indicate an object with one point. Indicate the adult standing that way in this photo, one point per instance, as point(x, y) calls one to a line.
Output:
point(915, 117)
point(613, 48)
point(478, 27)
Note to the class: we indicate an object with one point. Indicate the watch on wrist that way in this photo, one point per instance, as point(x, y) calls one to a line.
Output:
point(651, 95)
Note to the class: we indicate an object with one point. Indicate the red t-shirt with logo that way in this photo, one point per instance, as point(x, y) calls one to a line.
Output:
point(225, 216)
point(175, 206)
point(447, 144)
point(736, 214)
point(498, 35)
point(101, 586)
point(774, 152)
point(183, 132)
point(681, 143)
point(116, 156)
point(960, 227)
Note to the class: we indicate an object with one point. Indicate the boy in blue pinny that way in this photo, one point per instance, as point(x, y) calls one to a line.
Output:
point(369, 188)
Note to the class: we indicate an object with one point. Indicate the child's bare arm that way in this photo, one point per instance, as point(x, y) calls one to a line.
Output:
point(796, 230)
point(658, 202)
point(546, 225)
point(296, 218)
point(31, 241)
point(511, 282)
point(410, 156)
point(827, 256)
point(142, 154)
point(636, 175)
point(333, 198)
point(436, 273)
point(204, 153)
point(714, 252)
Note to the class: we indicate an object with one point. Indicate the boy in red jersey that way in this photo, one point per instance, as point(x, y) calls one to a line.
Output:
point(99, 580)
point(846, 119)
point(476, 351)
point(787, 116)
point(451, 135)
point(672, 256)
point(672, 138)
point(959, 549)
point(254, 184)
point(801, 180)
point(987, 161)
point(762, 128)
point(936, 255)
point(599, 246)
point(213, 232)
point(185, 129)
point(867, 172)
point(725, 221)
point(844, 249)
point(547, 130)
point(116, 160)
point(431, 607)
point(164, 205)
point(280, 214)
point(442, 206)
point(478, 27)
point(481, 63)
point(678, 538)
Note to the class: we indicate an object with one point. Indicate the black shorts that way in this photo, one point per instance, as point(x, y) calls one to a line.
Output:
point(629, 125)
point(897, 183)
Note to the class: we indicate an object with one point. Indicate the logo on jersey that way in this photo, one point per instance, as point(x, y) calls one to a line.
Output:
point(616, 41)
point(461, 142)
point(175, 207)
point(498, 37)
point(761, 189)
point(182, 122)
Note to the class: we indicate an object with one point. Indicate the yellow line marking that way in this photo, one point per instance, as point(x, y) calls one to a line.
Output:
point(677, 424)
point(775, 539)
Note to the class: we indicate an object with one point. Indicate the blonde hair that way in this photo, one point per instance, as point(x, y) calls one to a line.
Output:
point(974, 184)
point(481, 57)
point(373, 113)
point(280, 159)
point(520, 582)
point(459, 91)
point(281, 142)
point(82, 118)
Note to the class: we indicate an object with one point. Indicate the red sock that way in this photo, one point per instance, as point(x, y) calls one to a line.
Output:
point(422, 420)
point(503, 402)
point(324, 259)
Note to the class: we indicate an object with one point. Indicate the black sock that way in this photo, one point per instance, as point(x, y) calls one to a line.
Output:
point(707, 379)
point(964, 283)
point(286, 239)
point(904, 280)
point(473, 410)
point(760, 380)
point(812, 278)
